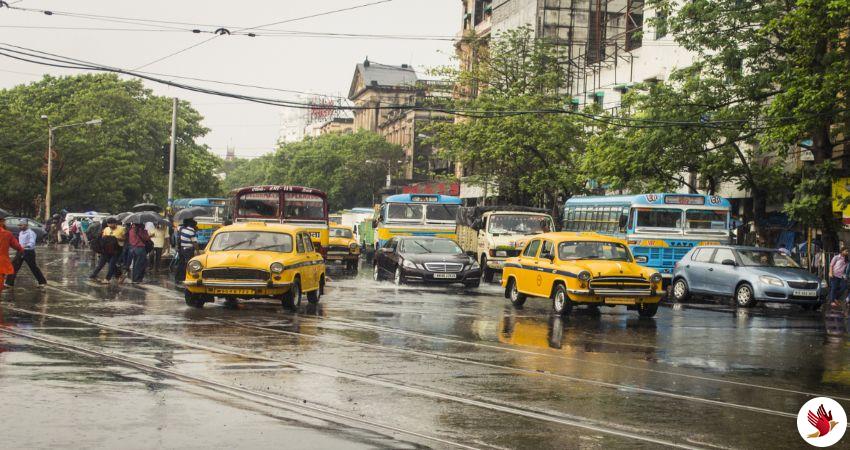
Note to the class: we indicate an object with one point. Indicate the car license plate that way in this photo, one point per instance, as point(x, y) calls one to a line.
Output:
point(233, 291)
point(620, 300)
point(805, 293)
point(448, 276)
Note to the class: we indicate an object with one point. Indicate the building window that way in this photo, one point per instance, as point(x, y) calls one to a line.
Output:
point(660, 24)
point(634, 25)
point(596, 31)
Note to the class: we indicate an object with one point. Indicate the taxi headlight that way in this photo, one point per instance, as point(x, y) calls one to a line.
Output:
point(773, 281)
point(584, 275)
point(655, 278)
point(194, 266)
point(276, 267)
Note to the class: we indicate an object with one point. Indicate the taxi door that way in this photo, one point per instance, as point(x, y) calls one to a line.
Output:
point(545, 270)
point(314, 258)
point(527, 275)
point(302, 242)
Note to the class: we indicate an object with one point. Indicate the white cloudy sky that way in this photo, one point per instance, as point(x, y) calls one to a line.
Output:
point(313, 64)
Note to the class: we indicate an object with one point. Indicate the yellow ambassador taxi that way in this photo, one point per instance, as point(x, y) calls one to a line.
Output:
point(581, 269)
point(253, 260)
point(342, 247)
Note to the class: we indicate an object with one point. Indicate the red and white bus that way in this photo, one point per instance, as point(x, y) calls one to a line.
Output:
point(296, 205)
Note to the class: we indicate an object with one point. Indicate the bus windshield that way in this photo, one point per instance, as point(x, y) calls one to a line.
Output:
point(659, 218)
point(259, 204)
point(404, 212)
point(705, 219)
point(518, 224)
point(300, 206)
point(441, 212)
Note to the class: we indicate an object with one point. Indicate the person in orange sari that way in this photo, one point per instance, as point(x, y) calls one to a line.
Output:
point(7, 239)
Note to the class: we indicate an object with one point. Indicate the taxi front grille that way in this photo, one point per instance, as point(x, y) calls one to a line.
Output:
point(619, 283)
point(235, 274)
point(338, 248)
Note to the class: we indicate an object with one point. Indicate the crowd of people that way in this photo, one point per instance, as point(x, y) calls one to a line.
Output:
point(125, 249)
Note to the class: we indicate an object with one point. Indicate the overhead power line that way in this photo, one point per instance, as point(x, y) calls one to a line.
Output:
point(37, 57)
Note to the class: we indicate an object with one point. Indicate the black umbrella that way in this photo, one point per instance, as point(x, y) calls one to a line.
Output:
point(143, 207)
point(191, 213)
point(120, 216)
point(142, 217)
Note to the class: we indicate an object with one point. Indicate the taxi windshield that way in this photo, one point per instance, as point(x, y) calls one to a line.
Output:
point(518, 224)
point(341, 233)
point(608, 251)
point(251, 240)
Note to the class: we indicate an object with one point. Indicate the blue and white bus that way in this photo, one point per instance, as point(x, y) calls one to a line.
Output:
point(416, 215)
point(660, 228)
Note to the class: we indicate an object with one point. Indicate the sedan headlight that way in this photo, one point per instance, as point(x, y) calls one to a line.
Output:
point(276, 267)
point(584, 275)
point(408, 264)
point(194, 266)
point(655, 278)
point(773, 281)
point(474, 265)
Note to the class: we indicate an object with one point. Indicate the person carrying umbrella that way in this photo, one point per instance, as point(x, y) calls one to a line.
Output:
point(7, 240)
point(113, 239)
point(187, 245)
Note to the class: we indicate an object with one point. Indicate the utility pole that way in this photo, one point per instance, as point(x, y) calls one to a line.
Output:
point(49, 172)
point(171, 152)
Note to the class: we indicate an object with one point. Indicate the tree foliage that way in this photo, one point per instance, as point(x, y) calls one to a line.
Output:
point(525, 155)
point(350, 168)
point(108, 167)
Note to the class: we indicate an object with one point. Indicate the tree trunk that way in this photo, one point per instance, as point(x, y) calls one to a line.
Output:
point(822, 150)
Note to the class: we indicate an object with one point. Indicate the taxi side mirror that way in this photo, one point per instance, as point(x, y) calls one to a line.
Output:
point(641, 259)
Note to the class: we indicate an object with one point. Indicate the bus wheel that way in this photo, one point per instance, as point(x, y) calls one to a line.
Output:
point(486, 272)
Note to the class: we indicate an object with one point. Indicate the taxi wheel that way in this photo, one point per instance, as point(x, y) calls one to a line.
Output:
point(744, 296)
point(647, 310)
point(561, 303)
point(517, 299)
point(195, 300)
point(486, 272)
point(680, 290)
point(292, 299)
point(314, 296)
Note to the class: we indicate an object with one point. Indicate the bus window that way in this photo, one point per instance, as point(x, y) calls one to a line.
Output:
point(441, 212)
point(705, 219)
point(303, 206)
point(260, 204)
point(659, 218)
point(403, 211)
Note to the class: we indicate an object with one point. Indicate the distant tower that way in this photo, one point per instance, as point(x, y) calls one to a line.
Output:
point(231, 154)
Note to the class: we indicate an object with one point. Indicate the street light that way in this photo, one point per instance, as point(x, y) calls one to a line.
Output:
point(50, 130)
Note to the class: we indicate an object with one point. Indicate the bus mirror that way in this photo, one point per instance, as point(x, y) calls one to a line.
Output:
point(641, 259)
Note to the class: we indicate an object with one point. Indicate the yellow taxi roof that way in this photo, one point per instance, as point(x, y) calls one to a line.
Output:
point(262, 226)
point(577, 236)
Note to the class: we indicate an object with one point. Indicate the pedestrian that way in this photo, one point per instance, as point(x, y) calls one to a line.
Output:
point(84, 231)
point(158, 235)
point(7, 240)
point(139, 242)
point(74, 232)
point(837, 277)
point(187, 245)
point(111, 246)
point(26, 238)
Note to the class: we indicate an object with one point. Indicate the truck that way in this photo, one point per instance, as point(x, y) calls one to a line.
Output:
point(495, 233)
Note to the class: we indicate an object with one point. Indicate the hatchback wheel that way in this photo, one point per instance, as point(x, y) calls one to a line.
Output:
point(561, 303)
point(680, 290)
point(744, 296)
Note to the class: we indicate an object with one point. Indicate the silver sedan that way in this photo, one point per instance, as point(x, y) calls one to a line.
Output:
point(747, 274)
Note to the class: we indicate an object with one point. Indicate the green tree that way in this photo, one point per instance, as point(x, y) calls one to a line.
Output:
point(529, 156)
point(351, 168)
point(108, 167)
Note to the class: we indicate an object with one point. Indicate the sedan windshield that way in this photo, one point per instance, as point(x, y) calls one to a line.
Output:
point(611, 251)
point(518, 224)
point(420, 246)
point(341, 233)
point(252, 240)
point(766, 258)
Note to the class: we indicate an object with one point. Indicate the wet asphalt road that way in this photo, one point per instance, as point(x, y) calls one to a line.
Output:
point(377, 366)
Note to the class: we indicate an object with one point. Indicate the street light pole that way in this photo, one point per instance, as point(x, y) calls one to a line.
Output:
point(50, 131)
point(172, 152)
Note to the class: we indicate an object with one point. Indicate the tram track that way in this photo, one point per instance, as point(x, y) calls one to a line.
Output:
point(612, 429)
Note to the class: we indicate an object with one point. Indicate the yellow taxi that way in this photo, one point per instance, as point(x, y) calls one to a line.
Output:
point(581, 269)
point(342, 247)
point(254, 260)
